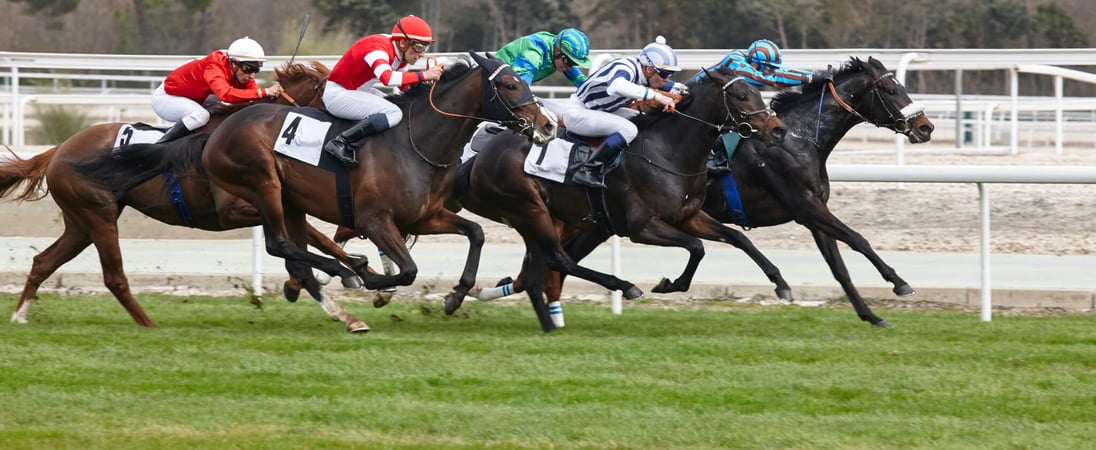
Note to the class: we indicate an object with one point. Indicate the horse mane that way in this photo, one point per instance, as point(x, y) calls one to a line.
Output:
point(452, 72)
point(646, 119)
point(293, 72)
point(286, 74)
point(142, 162)
point(787, 99)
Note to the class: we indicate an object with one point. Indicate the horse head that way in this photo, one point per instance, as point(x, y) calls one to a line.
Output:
point(876, 97)
point(746, 112)
point(302, 85)
point(508, 100)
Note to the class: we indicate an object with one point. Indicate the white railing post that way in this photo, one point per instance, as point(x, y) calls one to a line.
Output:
point(983, 221)
point(1014, 91)
point(1058, 115)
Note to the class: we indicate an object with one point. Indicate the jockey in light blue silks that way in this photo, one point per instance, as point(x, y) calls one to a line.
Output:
point(761, 65)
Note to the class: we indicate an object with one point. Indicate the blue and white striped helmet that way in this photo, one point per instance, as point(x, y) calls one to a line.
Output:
point(765, 52)
point(659, 55)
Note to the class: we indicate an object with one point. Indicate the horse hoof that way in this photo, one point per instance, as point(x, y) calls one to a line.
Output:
point(663, 286)
point(633, 293)
point(903, 290)
point(357, 326)
point(882, 324)
point(785, 294)
point(382, 299)
point(352, 282)
point(452, 304)
point(504, 281)
point(290, 293)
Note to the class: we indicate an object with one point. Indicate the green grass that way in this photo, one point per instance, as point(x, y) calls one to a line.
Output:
point(218, 373)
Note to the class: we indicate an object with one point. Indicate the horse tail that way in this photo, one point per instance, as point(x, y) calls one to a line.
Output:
point(29, 173)
point(128, 167)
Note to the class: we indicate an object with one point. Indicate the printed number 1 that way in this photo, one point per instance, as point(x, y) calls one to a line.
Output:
point(291, 130)
point(127, 136)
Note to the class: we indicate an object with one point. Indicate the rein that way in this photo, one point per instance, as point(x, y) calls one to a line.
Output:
point(741, 127)
point(518, 122)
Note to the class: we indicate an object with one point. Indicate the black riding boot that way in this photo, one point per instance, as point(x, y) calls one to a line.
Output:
point(175, 132)
point(345, 145)
point(591, 173)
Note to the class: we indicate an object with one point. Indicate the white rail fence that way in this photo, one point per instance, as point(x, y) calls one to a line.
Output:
point(113, 71)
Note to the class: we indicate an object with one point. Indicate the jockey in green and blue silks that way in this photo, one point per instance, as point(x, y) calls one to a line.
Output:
point(538, 55)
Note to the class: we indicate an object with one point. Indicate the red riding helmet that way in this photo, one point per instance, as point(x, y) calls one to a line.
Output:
point(413, 28)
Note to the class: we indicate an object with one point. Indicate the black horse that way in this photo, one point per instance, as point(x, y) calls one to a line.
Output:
point(778, 184)
point(654, 197)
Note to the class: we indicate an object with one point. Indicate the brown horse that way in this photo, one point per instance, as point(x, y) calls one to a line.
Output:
point(405, 174)
point(654, 197)
point(776, 185)
point(91, 212)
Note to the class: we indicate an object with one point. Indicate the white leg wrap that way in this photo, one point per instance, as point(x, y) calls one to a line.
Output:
point(491, 293)
point(555, 310)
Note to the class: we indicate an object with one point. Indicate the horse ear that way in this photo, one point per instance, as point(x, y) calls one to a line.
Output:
point(479, 59)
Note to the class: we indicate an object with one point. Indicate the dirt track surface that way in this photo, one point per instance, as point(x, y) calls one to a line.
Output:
point(923, 217)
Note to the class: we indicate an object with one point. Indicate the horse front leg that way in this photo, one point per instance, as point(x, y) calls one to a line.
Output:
point(657, 232)
point(446, 222)
point(832, 255)
point(535, 268)
point(707, 227)
point(382, 231)
point(821, 220)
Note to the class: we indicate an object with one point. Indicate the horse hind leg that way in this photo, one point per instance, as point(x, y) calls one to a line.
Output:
point(64, 249)
point(334, 310)
point(830, 252)
point(534, 268)
point(105, 239)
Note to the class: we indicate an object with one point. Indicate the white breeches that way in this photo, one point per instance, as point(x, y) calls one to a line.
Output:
point(175, 109)
point(359, 104)
point(589, 122)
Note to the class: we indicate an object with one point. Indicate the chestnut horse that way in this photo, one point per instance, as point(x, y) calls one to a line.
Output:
point(405, 175)
point(654, 197)
point(91, 212)
point(776, 185)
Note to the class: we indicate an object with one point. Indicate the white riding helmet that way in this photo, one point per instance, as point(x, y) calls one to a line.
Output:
point(246, 49)
point(659, 55)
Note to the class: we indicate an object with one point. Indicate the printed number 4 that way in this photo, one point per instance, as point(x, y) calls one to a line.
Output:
point(291, 130)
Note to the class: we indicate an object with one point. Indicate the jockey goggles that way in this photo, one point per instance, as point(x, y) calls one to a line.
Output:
point(418, 46)
point(250, 67)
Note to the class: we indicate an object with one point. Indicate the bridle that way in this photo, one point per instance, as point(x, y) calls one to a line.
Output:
point(900, 120)
point(519, 124)
point(522, 125)
point(741, 123)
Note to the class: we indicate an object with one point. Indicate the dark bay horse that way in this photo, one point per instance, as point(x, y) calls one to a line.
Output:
point(91, 212)
point(778, 184)
point(654, 197)
point(406, 173)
